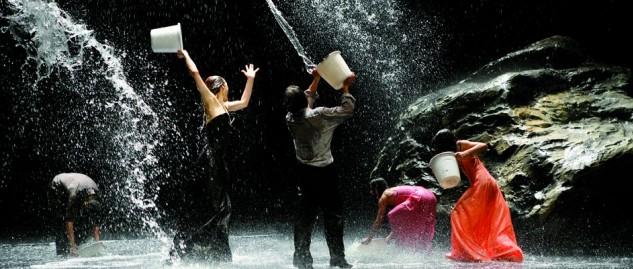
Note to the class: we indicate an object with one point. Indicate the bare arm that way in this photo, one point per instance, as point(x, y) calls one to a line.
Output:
point(209, 100)
point(348, 82)
point(96, 232)
point(380, 216)
point(70, 234)
point(313, 87)
point(249, 72)
point(470, 148)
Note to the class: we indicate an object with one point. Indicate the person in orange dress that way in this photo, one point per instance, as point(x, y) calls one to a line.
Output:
point(481, 227)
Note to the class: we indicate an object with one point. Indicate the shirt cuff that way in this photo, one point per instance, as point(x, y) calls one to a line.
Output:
point(348, 96)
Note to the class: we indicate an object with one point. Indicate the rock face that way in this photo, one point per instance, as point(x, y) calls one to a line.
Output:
point(560, 127)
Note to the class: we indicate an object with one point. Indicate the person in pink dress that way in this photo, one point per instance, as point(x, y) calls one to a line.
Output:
point(481, 226)
point(411, 218)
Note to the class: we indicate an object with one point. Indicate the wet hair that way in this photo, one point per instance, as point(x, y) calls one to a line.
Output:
point(214, 83)
point(295, 99)
point(378, 185)
point(444, 140)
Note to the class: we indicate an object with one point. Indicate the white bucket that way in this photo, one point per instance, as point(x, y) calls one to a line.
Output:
point(334, 70)
point(167, 39)
point(445, 169)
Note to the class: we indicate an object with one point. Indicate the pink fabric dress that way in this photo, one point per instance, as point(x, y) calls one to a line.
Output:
point(481, 227)
point(412, 220)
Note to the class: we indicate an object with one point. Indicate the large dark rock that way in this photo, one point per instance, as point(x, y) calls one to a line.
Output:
point(560, 128)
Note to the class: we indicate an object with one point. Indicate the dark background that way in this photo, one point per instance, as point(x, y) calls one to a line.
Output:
point(221, 37)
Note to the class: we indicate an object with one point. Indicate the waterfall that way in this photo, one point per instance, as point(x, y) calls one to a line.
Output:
point(60, 47)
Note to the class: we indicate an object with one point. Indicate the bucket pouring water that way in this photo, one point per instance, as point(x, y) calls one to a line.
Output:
point(334, 70)
point(445, 169)
point(167, 39)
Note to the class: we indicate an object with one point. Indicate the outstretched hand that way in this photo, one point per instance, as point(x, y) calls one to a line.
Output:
point(181, 53)
point(250, 71)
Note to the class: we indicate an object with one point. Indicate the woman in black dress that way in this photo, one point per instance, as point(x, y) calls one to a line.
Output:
point(206, 236)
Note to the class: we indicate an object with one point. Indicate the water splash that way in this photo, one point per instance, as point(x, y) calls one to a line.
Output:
point(290, 33)
point(394, 49)
point(391, 46)
point(45, 38)
point(55, 43)
point(276, 252)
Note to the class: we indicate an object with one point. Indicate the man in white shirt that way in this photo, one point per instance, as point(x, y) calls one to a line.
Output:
point(73, 196)
point(312, 130)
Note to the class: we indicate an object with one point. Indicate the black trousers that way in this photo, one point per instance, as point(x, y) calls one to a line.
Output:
point(206, 240)
point(204, 233)
point(317, 189)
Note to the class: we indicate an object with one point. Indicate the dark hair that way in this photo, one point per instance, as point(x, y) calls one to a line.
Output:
point(295, 99)
point(214, 83)
point(444, 140)
point(378, 185)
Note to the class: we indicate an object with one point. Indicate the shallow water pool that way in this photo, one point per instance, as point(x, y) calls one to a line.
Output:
point(270, 251)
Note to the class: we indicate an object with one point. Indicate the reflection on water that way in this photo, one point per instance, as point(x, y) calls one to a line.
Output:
point(271, 251)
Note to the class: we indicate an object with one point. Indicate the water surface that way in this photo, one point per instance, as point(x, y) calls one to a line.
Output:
point(270, 251)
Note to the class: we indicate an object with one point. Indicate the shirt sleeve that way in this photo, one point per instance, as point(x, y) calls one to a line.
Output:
point(337, 114)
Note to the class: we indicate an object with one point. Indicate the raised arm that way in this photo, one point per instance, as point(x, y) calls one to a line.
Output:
point(250, 72)
point(382, 210)
point(348, 82)
point(469, 148)
point(96, 232)
point(312, 89)
point(210, 102)
point(340, 113)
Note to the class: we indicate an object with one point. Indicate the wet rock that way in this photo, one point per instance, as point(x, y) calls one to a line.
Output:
point(560, 130)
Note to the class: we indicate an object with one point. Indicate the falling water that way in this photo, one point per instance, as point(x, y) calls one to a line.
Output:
point(56, 44)
point(393, 49)
point(290, 33)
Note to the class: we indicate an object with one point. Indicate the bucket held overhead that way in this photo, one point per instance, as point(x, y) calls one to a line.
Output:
point(334, 70)
point(167, 39)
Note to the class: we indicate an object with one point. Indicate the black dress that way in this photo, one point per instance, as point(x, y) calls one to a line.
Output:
point(205, 235)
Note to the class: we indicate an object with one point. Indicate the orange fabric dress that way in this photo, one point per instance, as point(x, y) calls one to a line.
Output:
point(481, 227)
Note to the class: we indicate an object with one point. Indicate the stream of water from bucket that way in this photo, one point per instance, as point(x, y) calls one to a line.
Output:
point(290, 34)
point(55, 43)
